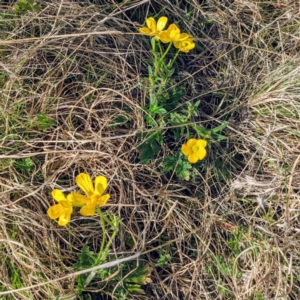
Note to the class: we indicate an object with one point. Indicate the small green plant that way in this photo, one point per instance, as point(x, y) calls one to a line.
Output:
point(257, 295)
point(150, 146)
point(23, 6)
point(25, 165)
point(164, 259)
point(42, 122)
point(176, 164)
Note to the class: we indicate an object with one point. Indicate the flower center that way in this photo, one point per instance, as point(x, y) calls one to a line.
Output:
point(94, 199)
point(195, 148)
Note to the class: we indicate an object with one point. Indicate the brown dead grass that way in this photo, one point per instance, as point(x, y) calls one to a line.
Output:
point(80, 64)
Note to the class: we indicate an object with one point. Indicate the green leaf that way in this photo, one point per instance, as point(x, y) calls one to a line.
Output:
point(171, 72)
point(42, 122)
point(86, 259)
point(140, 275)
point(172, 98)
point(148, 149)
point(219, 128)
point(164, 260)
point(219, 137)
point(197, 104)
point(22, 6)
point(25, 165)
point(183, 170)
point(177, 119)
point(175, 163)
point(135, 289)
point(155, 109)
point(201, 130)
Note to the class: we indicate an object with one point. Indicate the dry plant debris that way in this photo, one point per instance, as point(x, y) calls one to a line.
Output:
point(71, 102)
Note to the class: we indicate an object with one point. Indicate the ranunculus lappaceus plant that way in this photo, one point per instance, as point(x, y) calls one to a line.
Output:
point(164, 107)
point(89, 204)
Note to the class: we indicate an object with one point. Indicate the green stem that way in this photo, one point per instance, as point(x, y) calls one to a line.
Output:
point(102, 255)
point(174, 58)
point(166, 52)
point(111, 239)
point(160, 49)
point(152, 78)
point(102, 218)
point(158, 67)
point(93, 273)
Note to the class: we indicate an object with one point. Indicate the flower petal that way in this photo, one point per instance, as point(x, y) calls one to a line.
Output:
point(193, 158)
point(177, 44)
point(174, 32)
point(165, 37)
point(201, 153)
point(186, 46)
point(161, 23)
point(100, 185)
point(65, 218)
point(55, 211)
point(174, 35)
point(146, 31)
point(151, 23)
point(103, 200)
point(201, 143)
point(78, 199)
point(58, 195)
point(186, 150)
point(185, 36)
point(191, 142)
point(85, 183)
point(88, 210)
point(66, 204)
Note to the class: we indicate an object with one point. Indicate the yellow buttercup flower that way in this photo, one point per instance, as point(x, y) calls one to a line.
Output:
point(185, 43)
point(194, 150)
point(63, 210)
point(172, 34)
point(94, 195)
point(153, 28)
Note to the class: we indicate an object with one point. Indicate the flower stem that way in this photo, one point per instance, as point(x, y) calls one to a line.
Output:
point(102, 218)
point(152, 77)
point(174, 58)
point(103, 253)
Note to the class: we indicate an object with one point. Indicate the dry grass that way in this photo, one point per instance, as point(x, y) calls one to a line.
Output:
point(232, 231)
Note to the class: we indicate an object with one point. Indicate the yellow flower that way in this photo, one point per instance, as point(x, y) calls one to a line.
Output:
point(153, 28)
point(172, 34)
point(94, 196)
point(63, 209)
point(185, 43)
point(194, 150)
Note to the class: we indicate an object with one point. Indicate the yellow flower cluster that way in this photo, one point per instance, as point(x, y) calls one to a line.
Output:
point(194, 150)
point(182, 41)
point(94, 197)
